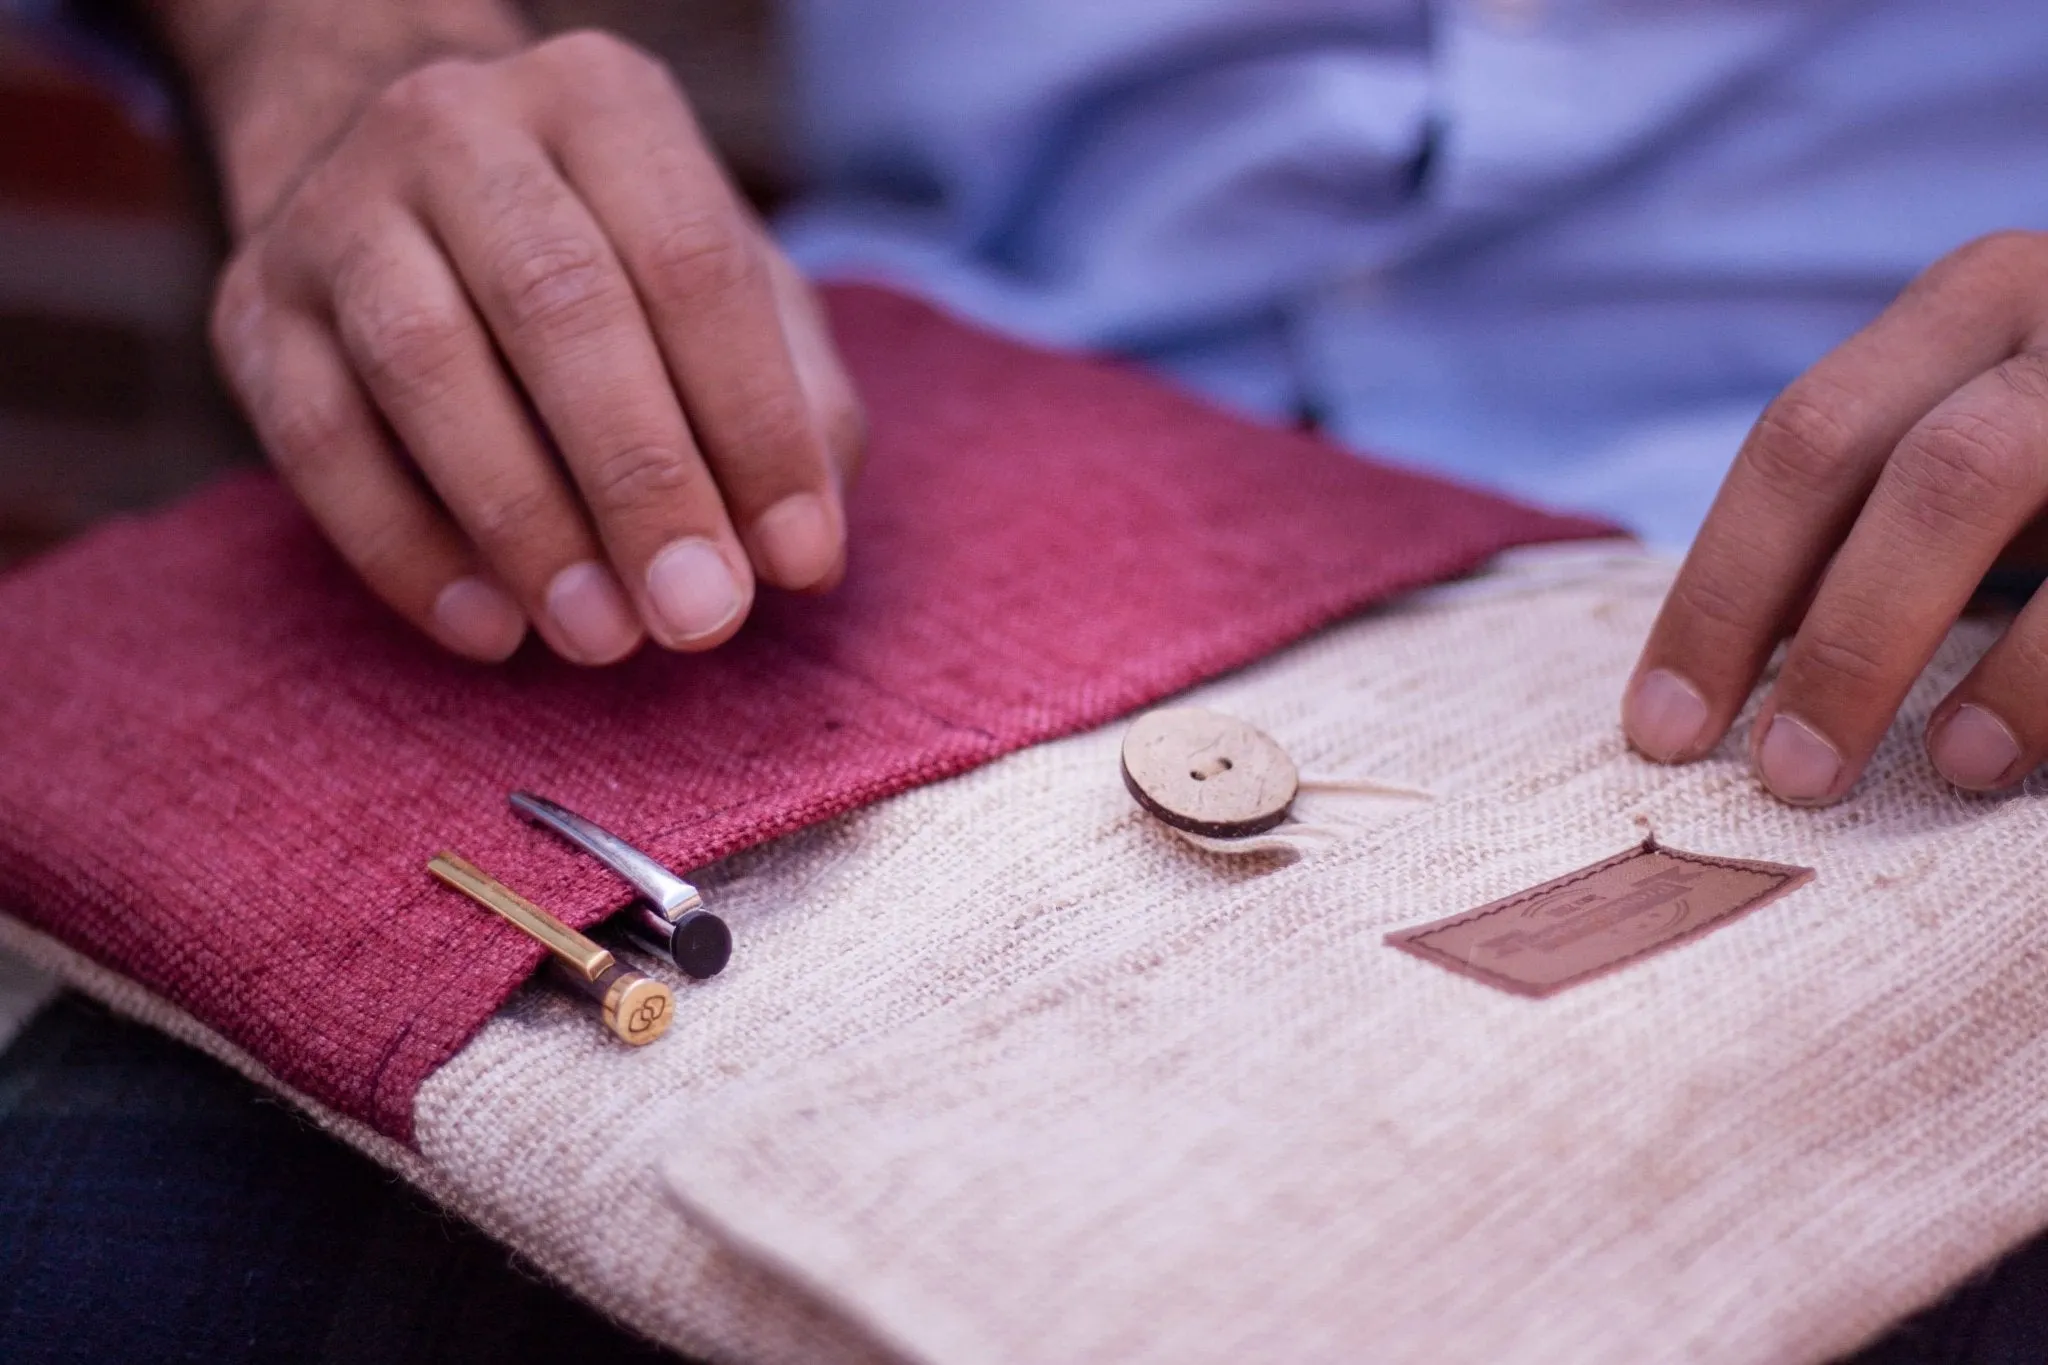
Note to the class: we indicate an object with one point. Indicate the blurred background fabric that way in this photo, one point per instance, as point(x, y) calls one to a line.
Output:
point(109, 241)
point(1564, 248)
point(107, 400)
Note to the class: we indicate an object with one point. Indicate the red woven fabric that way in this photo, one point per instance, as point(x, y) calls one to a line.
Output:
point(223, 766)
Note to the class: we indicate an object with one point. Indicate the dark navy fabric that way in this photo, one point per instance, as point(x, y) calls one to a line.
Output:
point(156, 1207)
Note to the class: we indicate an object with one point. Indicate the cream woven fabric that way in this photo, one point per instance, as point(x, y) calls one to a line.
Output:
point(1003, 1072)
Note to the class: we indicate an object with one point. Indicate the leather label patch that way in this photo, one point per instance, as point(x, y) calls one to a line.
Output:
point(1538, 942)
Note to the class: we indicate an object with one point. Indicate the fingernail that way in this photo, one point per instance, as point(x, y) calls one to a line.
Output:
point(692, 589)
point(798, 539)
point(592, 614)
point(1664, 715)
point(480, 619)
point(1974, 749)
point(1797, 764)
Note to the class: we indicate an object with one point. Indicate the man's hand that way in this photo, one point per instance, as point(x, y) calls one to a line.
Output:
point(506, 329)
point(1859, 518)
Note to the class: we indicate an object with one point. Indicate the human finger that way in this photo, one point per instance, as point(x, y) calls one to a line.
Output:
point(836, 408)
point(1963, 482)
point(327, 444)
point(1800, 479)
point(410, 333)
point(1992, 730)
point(568, 321)
point(701, 267)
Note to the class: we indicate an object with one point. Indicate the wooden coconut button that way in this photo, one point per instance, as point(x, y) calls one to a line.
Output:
point(1208, 773)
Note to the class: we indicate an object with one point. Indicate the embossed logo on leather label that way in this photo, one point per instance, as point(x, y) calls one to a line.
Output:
point(1538, 942)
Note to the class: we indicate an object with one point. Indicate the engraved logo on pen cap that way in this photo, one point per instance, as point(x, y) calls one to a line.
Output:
point(645, 1014)
point(1539, 941)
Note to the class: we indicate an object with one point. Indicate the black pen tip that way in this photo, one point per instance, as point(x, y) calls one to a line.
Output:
point(701, 945)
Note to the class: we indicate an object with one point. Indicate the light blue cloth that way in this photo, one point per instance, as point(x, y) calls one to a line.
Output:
point(1568, 248)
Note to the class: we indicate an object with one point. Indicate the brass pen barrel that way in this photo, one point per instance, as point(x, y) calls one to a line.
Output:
point(573, 949)
point(635, 1007)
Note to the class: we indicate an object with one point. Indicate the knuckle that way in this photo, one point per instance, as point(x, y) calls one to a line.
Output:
point(640, 474)
point(2001, 251)
point(703, 254)
point(592, 75)
point(509, 516)
point(406, 343)
point(593, 49)
point(302, 432)
point(1961, 469)
point(410, 348)
point(385, 551)
point(2026, 376)
point(1801, 444)
point(778, 438)
point(554, 283)
point(1712, 601)
point(238, 299)
point(1850, 659)
point(432, 96)
point(319, 210)
point(2002, 260)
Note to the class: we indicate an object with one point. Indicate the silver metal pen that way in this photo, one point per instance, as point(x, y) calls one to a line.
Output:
point(669, 919)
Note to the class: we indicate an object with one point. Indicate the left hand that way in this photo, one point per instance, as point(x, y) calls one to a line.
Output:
point(1859, 517)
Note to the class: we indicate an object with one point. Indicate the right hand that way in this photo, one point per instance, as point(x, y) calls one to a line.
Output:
point(523, 353)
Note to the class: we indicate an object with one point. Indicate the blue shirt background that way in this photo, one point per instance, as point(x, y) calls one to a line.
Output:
point(1568, 248)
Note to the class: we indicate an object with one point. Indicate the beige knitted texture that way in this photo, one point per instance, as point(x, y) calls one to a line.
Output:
point(1004, 1072)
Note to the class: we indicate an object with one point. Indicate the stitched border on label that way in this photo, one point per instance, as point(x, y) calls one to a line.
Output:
point(1415, 940)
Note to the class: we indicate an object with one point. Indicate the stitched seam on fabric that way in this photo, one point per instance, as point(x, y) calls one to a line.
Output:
point(1784, 883)
point(1553, 885)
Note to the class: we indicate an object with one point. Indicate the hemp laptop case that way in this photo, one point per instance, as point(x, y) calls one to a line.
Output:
point(227, 766)
point(1007, 1074)
point(1003, 1071)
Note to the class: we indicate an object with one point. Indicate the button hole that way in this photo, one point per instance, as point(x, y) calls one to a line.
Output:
point(1215, 766)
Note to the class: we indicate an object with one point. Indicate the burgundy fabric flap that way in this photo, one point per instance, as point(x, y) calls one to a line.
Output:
point(223, 766)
